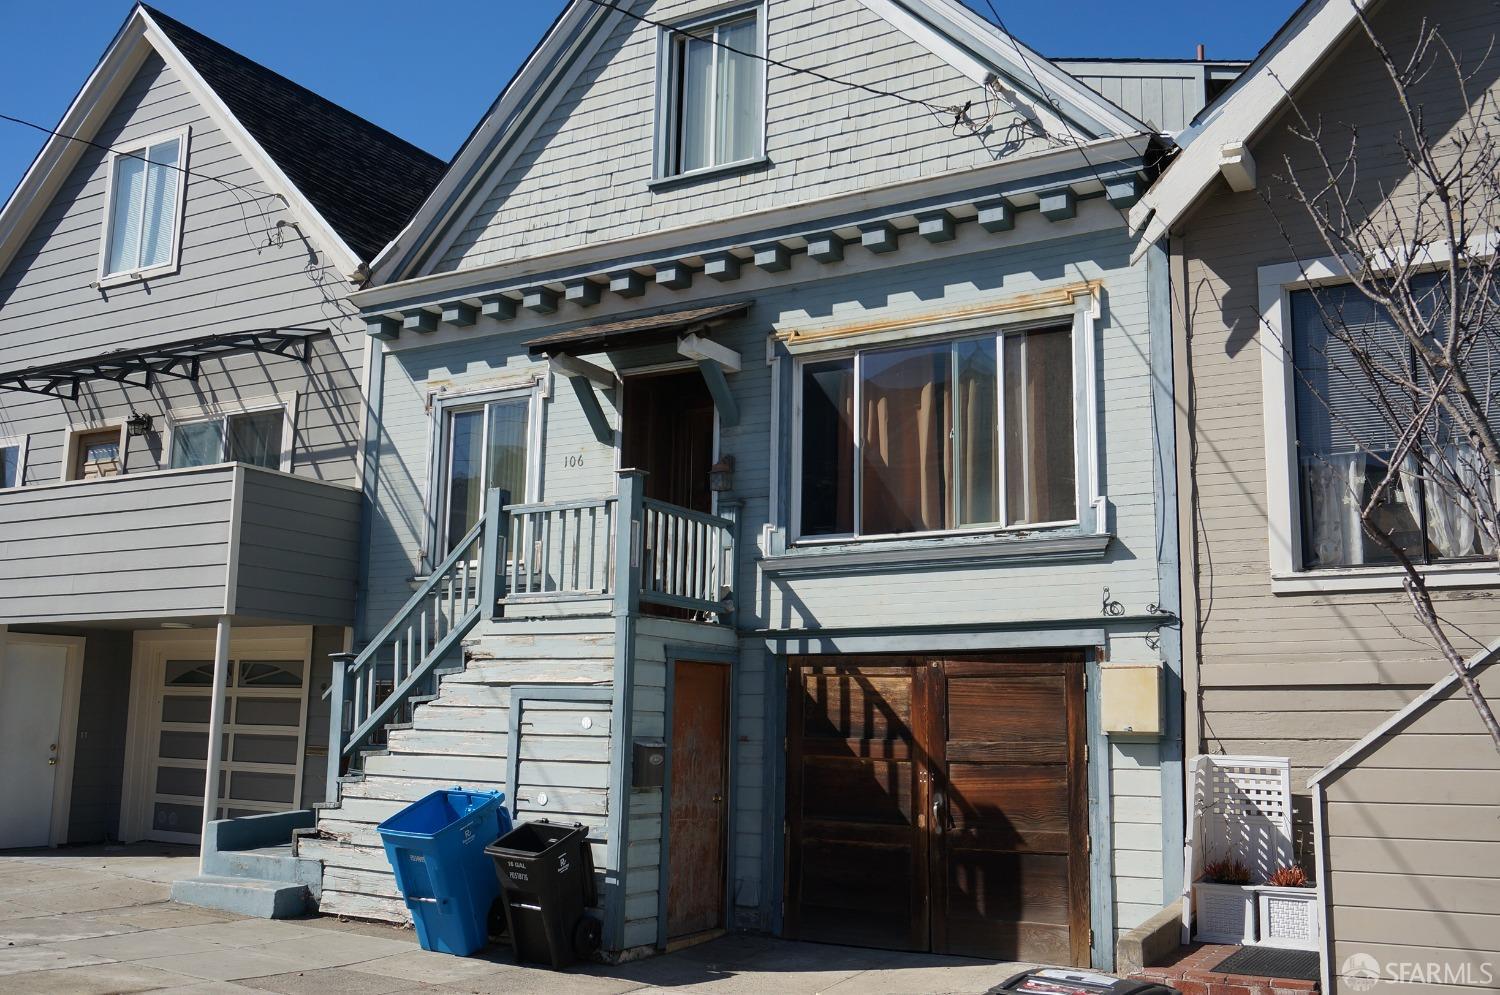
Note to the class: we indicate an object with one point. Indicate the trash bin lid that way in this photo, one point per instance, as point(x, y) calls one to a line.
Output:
point(428, 816)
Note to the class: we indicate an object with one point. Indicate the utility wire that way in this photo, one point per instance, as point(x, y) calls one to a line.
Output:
point(234, 188)
point(801, 70)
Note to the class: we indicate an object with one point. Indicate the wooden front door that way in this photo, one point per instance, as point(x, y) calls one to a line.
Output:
point(700, 792)
point(668, 431)
point(939, 804)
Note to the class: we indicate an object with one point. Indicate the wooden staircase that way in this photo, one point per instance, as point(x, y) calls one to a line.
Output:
point(531, 598)
point(459, 736)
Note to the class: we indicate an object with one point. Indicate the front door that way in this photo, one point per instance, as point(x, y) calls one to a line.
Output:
point(668, 431)
point(38, 690)
point(939, 804)
point(699, 792)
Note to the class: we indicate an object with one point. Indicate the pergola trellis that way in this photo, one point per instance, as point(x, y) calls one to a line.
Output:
point(141, 367)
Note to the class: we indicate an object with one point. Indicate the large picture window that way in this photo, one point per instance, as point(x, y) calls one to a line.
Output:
point(1345, 439)
point(714, 86)
point(142, 214)
point(940, 436)
point(486, 446)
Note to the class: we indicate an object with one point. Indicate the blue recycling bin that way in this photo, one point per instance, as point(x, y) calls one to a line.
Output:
point(436, 847)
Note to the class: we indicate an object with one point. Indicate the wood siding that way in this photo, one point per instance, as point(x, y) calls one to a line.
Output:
point(1300, 675)
point(238, 271)
point(584, 173)
point(1413, 846)
point(178, 543)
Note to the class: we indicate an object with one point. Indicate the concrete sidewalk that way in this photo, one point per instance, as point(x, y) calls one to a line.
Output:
point(98, 920)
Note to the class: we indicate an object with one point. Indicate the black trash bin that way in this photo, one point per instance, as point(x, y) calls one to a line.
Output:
point(546, 875)
point(1062, 981)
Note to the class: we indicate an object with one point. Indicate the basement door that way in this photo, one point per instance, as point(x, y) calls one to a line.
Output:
point(939, 803)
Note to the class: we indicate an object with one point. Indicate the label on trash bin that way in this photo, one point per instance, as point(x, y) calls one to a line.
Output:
point(469, 834)
point(1051, 981)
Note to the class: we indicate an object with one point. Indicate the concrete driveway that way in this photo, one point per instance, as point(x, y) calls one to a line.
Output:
point(98, 920)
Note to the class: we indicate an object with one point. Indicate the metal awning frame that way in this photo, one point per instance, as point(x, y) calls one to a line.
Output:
point(141, 367)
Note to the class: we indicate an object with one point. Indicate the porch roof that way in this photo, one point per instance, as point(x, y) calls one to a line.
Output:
point(644, 330)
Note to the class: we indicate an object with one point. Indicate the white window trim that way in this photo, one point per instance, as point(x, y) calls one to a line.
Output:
point(224, 409)
point(536, 388)
point(1277, 282)
point(70, 446)
point(1091, 504)
point(105, 279)
point(21, 442)
point(667, 110)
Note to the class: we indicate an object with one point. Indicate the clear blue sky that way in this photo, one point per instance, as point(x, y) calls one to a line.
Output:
point(428, 70)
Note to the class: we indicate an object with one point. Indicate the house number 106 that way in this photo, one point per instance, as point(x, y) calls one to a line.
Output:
point(572, 462)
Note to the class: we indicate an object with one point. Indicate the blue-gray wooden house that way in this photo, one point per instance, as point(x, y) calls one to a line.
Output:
point(770, 467)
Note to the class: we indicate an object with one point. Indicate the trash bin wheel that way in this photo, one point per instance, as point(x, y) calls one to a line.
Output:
point(495, 922)
point(587, 935)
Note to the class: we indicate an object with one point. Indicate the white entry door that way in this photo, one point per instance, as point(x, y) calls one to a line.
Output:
point(40, 677)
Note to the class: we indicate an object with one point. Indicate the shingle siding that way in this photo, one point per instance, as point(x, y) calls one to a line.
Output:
point(583, 174)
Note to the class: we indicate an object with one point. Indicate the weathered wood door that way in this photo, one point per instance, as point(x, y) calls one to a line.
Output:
point(939, 804)
point(668, 431)
point(700, 790)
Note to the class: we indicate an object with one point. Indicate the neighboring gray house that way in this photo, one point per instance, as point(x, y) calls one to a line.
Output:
point(835, 589)
point(180, 419)
point(1165, 93)
point(1299, 638)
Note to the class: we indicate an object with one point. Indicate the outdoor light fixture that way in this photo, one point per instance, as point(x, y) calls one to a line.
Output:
point(721, 475)
point(138, 425)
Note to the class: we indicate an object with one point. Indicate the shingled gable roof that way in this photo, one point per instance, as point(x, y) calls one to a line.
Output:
point(363, 180)
point(968, 42)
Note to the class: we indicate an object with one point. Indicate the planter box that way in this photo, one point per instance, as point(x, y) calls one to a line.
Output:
point(1224, 913)
point(1288, 917)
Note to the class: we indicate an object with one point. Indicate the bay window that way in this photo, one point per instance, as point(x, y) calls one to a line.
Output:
point(1347, 432)
point(486, 446)
point(940, 436)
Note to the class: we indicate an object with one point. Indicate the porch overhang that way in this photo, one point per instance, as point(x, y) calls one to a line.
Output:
point(141, 367)
point(690, 327)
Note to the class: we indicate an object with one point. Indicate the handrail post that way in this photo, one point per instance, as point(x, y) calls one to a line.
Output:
point(627, 539)
point(730, 510)
point(492, 559)
point(338, 689)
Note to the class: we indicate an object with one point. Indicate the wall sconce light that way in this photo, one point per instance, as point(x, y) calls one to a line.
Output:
point(721, 475)
point(138, 425)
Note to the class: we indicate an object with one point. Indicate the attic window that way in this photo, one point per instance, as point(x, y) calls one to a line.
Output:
point(713, 84)
point(144, 208)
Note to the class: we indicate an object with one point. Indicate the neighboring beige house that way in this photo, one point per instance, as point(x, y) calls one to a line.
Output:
point(1296, 642)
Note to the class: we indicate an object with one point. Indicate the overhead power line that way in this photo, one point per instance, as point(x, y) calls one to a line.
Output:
point(234, 188)
point(926, 105)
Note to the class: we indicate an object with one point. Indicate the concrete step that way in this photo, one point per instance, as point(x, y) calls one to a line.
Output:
point(271, 863)
point(243, 896)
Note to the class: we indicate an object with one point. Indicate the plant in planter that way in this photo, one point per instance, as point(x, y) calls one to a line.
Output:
point(1224, 903)
point(1288, 907)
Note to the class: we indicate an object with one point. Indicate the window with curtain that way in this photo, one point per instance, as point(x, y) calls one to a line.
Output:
point(1346, 438)
point(940, 436)
point(142, 210)
point(486, 447)
point(253, 437)
point(716, 86)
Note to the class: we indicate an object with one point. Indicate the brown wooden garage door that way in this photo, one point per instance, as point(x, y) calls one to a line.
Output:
point(939, 803)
